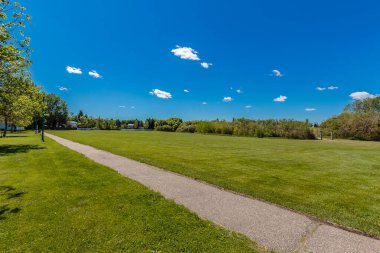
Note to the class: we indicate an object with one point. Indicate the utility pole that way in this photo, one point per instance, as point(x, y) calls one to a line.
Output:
point(35, 123)
point(43, 122)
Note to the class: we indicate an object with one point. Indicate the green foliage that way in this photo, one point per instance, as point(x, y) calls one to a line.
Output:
point(56, 111)
point(159, 122)
point(360, 120)
point(136, 124)
point(118, 124)
point(174, 123)
point(165, 128)
point(149, 123)
point(368, 105)
point(20, 99)
point(14, 46)
point(168, 125)
point(85, 121)
point(291, 129)
point(186, 127)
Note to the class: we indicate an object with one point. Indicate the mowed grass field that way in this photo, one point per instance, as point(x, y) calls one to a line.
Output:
point(55, 200)
point(335, 181)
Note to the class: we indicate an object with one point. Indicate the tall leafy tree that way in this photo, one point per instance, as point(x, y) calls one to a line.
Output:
point(56, 111)
point(20, 100)
point(14, 45)
point(365, 105)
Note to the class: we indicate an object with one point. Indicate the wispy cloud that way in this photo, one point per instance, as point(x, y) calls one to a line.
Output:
point(248, 106)
point(133, 107)
point(239, 91)
point(327, 88)
point(281, 98)
point(204, 103)
point(206, 65)
point(94, 74)
point(310, 109)
point(186, 91)
point(277, 73)
point(61, 88)
point(361, 95)
point(160, 94)
point(73, 70)
point(122, 106)
point(186, 53)
point(227, 99)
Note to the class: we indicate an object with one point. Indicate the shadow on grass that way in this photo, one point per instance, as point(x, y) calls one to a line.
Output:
point(21, 148)
point(8, 192)
point(14, 136)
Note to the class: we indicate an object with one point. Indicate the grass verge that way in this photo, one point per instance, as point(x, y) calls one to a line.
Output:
point(55, 200)
point(335, 181)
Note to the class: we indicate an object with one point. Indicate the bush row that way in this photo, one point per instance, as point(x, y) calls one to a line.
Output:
point(360, 120)
point(245, 127)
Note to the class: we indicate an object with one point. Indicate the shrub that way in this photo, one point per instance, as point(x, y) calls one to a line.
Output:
point(205, 127)
point(186, 129)
point(165, 128)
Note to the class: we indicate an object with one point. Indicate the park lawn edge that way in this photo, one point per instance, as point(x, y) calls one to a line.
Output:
point(117, 177)
point(241, 190)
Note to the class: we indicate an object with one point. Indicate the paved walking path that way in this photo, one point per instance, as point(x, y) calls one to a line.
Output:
point(269, 225)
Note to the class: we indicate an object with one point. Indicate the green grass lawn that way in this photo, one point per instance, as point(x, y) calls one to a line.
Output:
point(55, 200)
point(336, 181)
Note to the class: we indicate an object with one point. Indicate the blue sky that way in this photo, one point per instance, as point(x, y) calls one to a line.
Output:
point(268, 50)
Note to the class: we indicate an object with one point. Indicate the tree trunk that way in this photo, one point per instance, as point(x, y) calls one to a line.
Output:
point(5, 127)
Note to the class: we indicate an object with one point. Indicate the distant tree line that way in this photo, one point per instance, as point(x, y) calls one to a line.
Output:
point(85, 121)
point(241, 127)
point(360, 120)
point(285, 128)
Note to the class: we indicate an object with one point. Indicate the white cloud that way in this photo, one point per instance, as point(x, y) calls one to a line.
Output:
point(206, 65)
point(361, 95)
point(280, 99)
point(204, 103)
point(186, 91)
point(310, 109)
point(122, 106)
point(239, 91)
point(186, 53)
point(248, 106)
point(327, 88)
point(227, 99)
point(94, 74)
point(277, 73)
point(160, 94)
point(61, 88)
point(73, 70)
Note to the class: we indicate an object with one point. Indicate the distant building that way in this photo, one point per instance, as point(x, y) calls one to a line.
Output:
point(9, 127)
point(130, 126)
point(71, 124)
